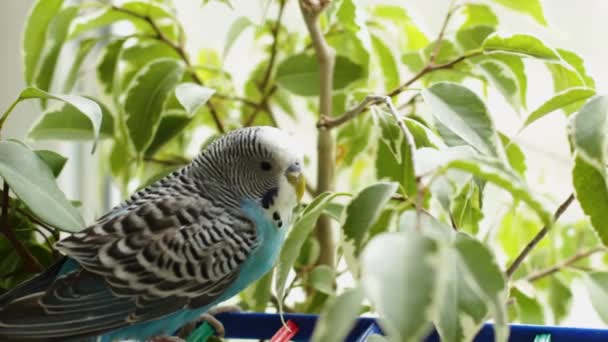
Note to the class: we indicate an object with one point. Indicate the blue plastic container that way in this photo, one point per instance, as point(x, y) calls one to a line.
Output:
point(257, 326)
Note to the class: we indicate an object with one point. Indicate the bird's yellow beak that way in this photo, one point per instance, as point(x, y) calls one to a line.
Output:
point(297, 180)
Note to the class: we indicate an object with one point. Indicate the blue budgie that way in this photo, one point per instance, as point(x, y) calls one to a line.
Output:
point(170, 252)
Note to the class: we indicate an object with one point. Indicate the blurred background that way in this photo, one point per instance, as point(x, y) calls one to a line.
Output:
point(573, 25)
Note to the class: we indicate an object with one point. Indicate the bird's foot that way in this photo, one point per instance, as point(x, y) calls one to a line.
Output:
point(209, 317)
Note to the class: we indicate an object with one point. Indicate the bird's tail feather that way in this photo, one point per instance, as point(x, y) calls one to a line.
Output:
point(37, 284)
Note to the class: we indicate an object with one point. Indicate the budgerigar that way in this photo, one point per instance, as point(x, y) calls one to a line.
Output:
point(171, 251)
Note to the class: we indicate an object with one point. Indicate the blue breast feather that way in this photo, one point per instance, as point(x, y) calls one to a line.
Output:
point(261, 260)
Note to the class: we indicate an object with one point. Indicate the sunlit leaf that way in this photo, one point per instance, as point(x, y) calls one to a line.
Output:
point(338, 317)
point(364, 209)
point(560, 100)
point(496, 173)
point(84, 48)
point(463, 112)
point(34, 37)
point(53, 160)
point(529, 309)
point(107, 64)
point(90, 109)
point(171, 124)
point(236, 29)
point(592, 194)
point(192, 96)
point(520, 44)
point(533, 8)
point(392, 262)
point(560, 299)
point(66, 122)
point(515, 156)
point(300, 74)
point(478, 14)
point(146, 97)
point(388, 65)
point(302, 227)
point(32, 181)
point(597, 286)
point(322, 279)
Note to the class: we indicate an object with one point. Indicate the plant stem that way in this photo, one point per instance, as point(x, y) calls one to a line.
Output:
point(181, 51)
point(8, 112)
point(325, 141)
point(539, 236)
point(263, 105)
point(439, 39)
point(553, 269)
point(30, 263)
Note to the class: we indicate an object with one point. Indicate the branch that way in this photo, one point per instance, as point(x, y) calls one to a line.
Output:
point(325, 142)
point(539, 236)
point(30, 263)
point(167, 162)
point(573, 259)
point(181, 51)
point(237, 99)
point(329, 123)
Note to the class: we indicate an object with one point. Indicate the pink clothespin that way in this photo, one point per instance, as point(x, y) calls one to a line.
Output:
point(287, 331)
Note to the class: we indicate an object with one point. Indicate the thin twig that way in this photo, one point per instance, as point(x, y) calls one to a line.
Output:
point(181, 51)
point(566, 263)
point(237, 99)
point(263, 104)
point(439, 39)
point(539, 236)
point(30, 263)
point(329, 123)
point(167, 162)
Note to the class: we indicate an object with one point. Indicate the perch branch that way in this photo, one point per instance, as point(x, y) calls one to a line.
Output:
point(181, 51)
point(539, 236)
point(566, 263)
point(325, 142)
point(30, 263)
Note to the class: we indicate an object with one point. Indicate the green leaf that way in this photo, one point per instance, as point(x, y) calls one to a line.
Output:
point(85, 106)
point(478, 14)
point(507, 73)
point(53, 160)
point(364, 210)
point(515, 156)
point(338, 317)
point(235, 30)
point(471, 38)
point(571, 74)
point(85, 47)
point(262, 292)
point(56, 35)
point(520, 44)
point(388, 65)
point(302, 227)
point(560, 100)
point(528, 308)
point(560, 299)
point(533, 8)
point(597, 286)
point(411, 37)
point(192, 96)
point(390, 263)
point(66, 122)
point(300, 74)
point(146, 97)
point(34, 37)
point(587, 131)
point(134, 58)
point(33, 182)
point(171, 124)
point(322, 279)
point(592, 193)
point(486, 278)
point(463, 308)
point(109, 15)
point(496, 173)
point(466, 208)
point(107, 65)
point(464, 113)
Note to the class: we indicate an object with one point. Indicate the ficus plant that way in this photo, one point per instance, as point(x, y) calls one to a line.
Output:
point(408, 155)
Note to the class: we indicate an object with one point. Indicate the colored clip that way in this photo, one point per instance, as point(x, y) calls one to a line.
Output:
point(287, 331)
point(202, 333)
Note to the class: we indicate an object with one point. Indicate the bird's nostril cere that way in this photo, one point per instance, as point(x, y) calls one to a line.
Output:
point(294, 168)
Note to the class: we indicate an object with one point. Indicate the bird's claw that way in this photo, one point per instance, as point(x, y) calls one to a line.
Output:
point(209, 317)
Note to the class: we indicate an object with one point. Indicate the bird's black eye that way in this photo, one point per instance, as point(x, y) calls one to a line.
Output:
point(265, 166)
